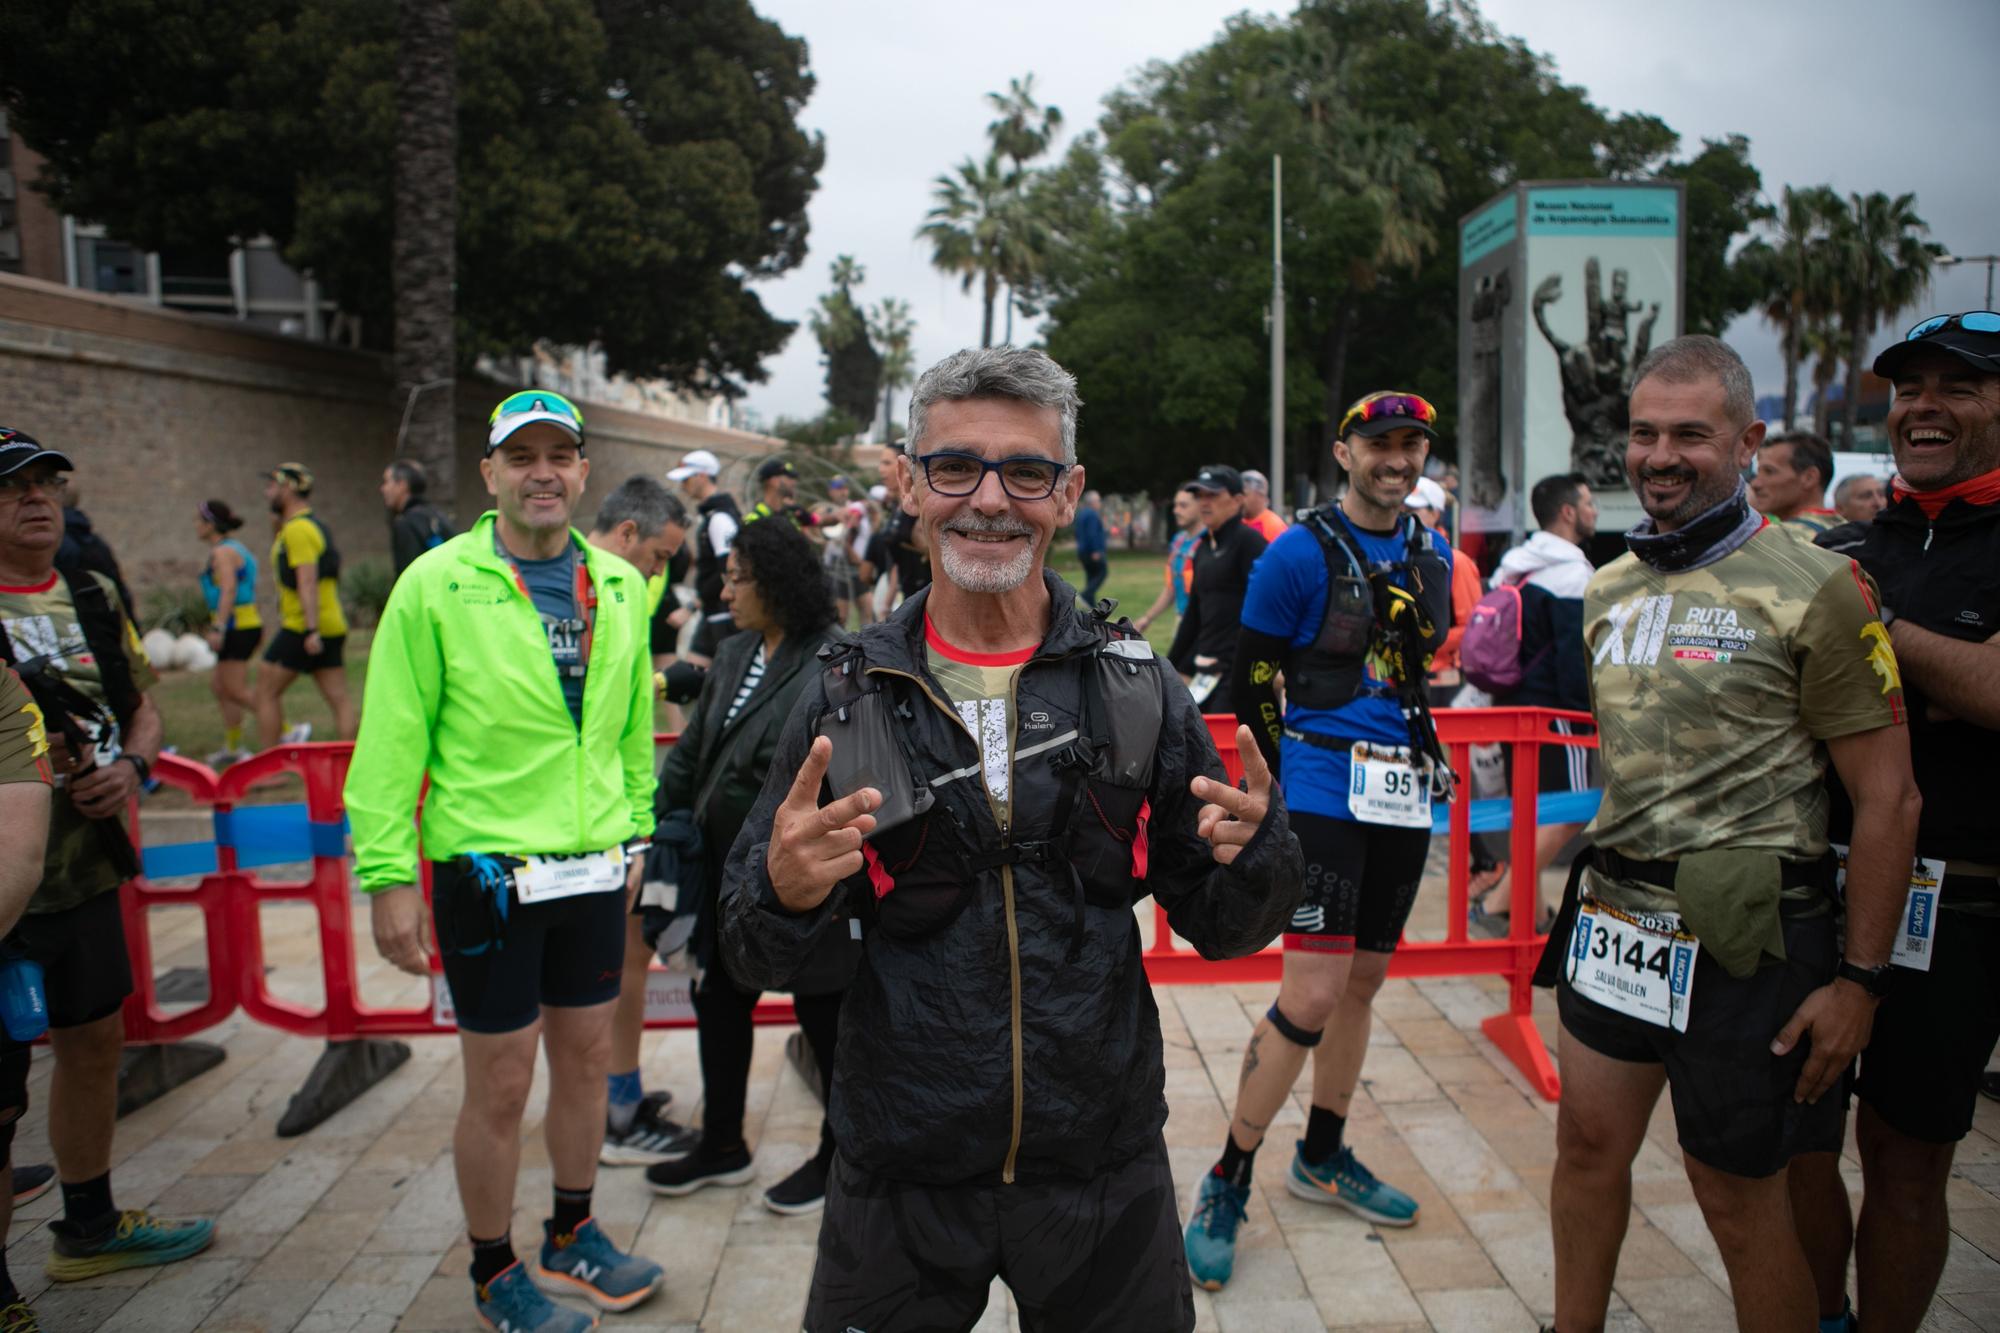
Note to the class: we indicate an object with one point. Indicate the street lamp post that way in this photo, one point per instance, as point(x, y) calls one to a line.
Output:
point(1947, 261)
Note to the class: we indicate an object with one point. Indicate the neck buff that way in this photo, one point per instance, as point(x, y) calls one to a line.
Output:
point(1980, 490)
point(1703, 540)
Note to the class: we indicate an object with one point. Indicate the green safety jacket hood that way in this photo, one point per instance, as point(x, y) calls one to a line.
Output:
point(462, 689)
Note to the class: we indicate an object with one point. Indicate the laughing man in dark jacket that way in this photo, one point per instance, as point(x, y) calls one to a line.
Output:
point(998, 1094)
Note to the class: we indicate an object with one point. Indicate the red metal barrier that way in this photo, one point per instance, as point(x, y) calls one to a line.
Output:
point(230, 898)
point(1525, 730)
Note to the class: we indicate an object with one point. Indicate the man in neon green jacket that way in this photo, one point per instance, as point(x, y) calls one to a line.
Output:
point(511, 668)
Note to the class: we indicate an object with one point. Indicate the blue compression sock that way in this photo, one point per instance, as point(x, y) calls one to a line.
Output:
point(626, 1093)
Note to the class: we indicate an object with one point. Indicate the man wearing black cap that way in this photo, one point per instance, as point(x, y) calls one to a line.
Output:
point(67, 633)
point(1205, 643)
point(780, 481)
point(1933, 551)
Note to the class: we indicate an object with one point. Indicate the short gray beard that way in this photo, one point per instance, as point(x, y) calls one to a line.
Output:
point(979, 576)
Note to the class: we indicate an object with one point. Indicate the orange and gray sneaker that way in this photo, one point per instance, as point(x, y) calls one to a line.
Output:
point(137, 1240)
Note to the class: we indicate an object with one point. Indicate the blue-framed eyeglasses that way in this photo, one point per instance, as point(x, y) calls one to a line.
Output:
point(949, 472)
point(1977, 321)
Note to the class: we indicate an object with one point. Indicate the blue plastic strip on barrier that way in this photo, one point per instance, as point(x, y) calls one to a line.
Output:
point(1497, 814)
point(262, 835)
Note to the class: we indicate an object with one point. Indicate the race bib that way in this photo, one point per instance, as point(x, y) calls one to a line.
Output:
point(1918, 936)
point(1384, 787)
point(545, 878)
point(1203, 685)
point(1642, 966)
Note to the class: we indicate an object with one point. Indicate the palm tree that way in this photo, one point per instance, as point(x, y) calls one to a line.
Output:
point(1884, 265)
point(1821, 339)
point(892, 327)
point(1796, 270)
point(1023, 132)
point(424, 252)
point(969, 230)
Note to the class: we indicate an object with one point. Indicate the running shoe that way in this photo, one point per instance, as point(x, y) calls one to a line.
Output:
point(32, 1182)
point(137, 1240)
point(588, 1265)
point(222, 759)
point(511, 1303)
point(17, 1317)
point(297, 735)
point(650, 1138)
point(1210, 1239)
point(803, 1191)
point(1342, 1180)
point(685, 1175)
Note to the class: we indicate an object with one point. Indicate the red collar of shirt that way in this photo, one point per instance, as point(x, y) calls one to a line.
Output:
point(44, 586)
point(1981, 490)
point(967, 657)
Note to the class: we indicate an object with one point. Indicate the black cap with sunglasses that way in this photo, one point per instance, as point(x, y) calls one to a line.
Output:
point(18, 449)
point(1972, 337)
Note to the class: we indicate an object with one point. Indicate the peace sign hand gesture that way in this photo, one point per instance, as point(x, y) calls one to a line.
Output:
point(812, 847)
point(1230, 819)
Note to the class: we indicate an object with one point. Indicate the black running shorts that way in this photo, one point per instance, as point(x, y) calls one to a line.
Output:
point(1361, 882)
point(568, 953)
point(288, 650)
point(1088, 1256)
point(709, 634)
point(1935, 1031)
point(239, 645)
point(1733, 1099)
point(86, 973)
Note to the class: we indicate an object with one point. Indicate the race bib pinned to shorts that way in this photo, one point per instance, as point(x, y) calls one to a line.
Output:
point(1918, 936)
point(546, 878)
point(1386, 787)
point(1641, 965)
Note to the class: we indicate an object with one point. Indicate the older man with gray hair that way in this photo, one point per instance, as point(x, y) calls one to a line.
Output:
point(1257, 511)
point(980, 788)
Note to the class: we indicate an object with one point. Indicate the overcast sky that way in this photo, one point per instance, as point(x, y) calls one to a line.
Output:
point(1859, 95)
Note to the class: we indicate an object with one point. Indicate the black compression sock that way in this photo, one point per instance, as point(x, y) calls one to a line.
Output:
point(1324, 1133)
point(87, 1206)
point(491, 1258)
point(572, 1211)
point(1236, 1162)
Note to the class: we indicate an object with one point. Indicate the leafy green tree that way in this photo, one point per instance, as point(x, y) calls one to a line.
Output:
point(971, 228)
point(626, 170)
point(1882, 263)
point(1724, 200)
point(892, 327)
point(853, 366)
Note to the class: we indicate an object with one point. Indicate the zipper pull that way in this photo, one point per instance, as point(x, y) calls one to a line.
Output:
point(1929, 533)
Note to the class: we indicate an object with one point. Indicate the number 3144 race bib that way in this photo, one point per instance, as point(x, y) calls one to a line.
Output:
point(1642, 966)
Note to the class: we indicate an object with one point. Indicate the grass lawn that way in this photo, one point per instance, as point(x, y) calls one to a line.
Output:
point(194, 726)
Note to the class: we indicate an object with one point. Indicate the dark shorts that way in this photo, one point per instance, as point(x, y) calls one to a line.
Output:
point(1934, 1033)
point(503, 967)
point(239, 645)
point(1080, 1257)
point(1733, 1106)
point(86, 973)
point(1361, 882)
point(15, 1059)
point(288, 650)
point(1562, 768)
point(708, 636)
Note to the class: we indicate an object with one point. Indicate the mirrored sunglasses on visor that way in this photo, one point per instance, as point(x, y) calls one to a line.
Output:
point(1389, 406)
point(1973, 321)
point(531, 405)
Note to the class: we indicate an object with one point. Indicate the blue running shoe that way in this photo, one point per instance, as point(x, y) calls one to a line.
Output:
point(1342, 1180)
point(510, 1303)
point(587, 1264)
point(1210, 1240)
point(137, 1240)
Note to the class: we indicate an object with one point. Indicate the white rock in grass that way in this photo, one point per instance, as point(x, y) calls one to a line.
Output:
point(195, 654)
point(162, 649)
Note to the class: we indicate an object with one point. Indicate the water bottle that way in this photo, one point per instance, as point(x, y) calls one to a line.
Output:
point(24, 1010)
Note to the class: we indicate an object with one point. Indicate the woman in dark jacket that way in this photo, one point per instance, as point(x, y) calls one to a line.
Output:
point(777, 595)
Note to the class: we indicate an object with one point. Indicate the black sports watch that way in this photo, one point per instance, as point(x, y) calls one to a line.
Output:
point(139, 765)
point(1875, 980)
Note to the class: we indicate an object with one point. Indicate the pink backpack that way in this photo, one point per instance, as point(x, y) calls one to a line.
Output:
point(1490, 652)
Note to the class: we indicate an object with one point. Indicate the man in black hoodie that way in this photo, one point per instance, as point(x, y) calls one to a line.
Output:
point(415, 524)
point(999, 1089)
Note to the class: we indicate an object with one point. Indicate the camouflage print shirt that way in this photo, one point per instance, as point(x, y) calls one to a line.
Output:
point(1715, 689)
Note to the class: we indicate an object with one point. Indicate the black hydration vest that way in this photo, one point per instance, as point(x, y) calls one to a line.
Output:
point(1094, 789)
point(1328, 672)
point(100, 618)
point(707, 564)
point(327, 566)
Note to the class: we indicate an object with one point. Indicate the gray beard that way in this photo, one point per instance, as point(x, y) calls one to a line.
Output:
point(979, 576)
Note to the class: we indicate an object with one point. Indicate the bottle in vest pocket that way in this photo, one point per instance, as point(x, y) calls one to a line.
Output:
point(862, 726)
point(24, 1009)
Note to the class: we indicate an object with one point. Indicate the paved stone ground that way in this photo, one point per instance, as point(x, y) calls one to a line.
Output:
point(355, 1226)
